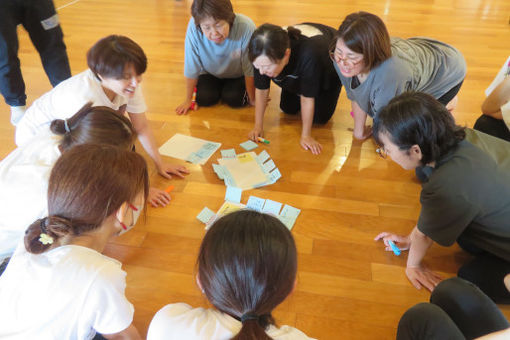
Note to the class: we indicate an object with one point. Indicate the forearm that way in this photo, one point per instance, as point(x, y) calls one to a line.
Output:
point(146, 136)
point(191, 83)
point(249, 83)
point(260, 106)
point(420, 243)
point(497, 98)
point(501, 335)
point(307, 112)
point(360, 119)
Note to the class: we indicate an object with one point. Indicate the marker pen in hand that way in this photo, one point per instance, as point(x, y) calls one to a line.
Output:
point(395, 249)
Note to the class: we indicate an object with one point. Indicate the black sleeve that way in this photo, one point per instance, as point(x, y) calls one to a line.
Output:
point(261, 82)
point(445, 215)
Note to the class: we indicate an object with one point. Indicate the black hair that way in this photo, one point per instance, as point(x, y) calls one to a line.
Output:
point(272, 41)
point(247, 266)
point(416, 118)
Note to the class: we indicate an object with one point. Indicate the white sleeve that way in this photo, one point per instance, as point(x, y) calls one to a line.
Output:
point(163, 325)
point(112, 312)
point(137, 103)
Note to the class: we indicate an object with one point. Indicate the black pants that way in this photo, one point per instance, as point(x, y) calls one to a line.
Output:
point(448, 96)
point(231, 91)
point(39, 18)
point(486, 271)
point(492, 126)
point(325, 104)
point(457, 310)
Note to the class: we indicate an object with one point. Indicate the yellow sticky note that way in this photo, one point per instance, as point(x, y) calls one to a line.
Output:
point(245, 157)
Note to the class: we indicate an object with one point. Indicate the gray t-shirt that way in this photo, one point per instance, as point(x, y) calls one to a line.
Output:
point(226, 60)
point(418, 64)
point(468, 193)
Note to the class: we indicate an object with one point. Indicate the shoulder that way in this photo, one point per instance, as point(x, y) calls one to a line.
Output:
point(179, 321)
point(242, 28)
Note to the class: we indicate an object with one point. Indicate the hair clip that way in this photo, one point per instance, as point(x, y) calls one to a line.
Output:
point(66, 126)
point(45, 239)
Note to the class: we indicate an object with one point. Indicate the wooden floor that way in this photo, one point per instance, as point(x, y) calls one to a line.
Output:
point(348, 286)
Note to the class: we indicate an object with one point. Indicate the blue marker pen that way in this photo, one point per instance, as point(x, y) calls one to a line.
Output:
point(395, 249)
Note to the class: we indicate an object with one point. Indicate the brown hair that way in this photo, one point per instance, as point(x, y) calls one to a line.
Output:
point(247, 266)
point(110, 55)
point(216, 9)
point(88, 183)
point(97, 125)
point(271, 41)
point(365, 33)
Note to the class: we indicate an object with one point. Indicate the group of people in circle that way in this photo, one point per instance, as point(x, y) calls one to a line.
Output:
point(84, 182)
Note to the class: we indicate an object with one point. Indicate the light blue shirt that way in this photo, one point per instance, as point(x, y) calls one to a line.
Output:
point(226, 60)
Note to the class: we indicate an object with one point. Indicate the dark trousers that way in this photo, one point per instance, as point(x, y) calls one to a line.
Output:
point(448, 96)
point(325, 104)
point(231, 91)
point(457, 310)
point(486, 271)
point(38, 18)
point(492, 126)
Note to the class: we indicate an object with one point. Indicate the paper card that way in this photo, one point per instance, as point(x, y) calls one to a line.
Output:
point(206, 215)
point(275, 175)
point(245, 157)
point(229, 153)
point(263, 156)
point(194, 158)
point(233, 194)
point(218, 169)
point(268, 166)
point(229, 207)
point(289, 211)
point(272, 207)
point(182, 147)
point(287, 221)
point(255, 203)
point(499, 77)
point(249, 145)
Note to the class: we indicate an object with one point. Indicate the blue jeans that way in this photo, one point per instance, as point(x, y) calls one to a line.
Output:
point(38, 18)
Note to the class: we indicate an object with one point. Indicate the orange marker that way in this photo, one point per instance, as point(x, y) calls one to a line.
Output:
point(169, 189)
point(194, 99)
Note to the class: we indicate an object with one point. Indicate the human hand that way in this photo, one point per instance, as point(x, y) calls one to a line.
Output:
point(183, 108)
point(166, 170)
point(507, 282)
point(308, 143)
point(158, 198)
point(255, 133)
point(423, 277)
point(402, 242)
point(362, 135)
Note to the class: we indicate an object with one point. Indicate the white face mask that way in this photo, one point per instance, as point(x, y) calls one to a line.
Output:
point(136, 210)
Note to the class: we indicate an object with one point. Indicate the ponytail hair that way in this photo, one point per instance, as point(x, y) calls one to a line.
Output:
point(247, 266)
point(271, 41)
point(87, 184)
point(95, 125)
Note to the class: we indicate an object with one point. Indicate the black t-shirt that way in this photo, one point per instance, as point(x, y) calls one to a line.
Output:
point(468, 193)
point(310, 70)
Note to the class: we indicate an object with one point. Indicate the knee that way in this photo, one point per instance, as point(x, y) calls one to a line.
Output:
point(416, 321)
point(289, 108)
point(233, 97)
point(451, 292)
point(485, 123)
point(206, 97)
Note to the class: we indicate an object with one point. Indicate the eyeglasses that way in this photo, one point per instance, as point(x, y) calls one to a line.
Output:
point(347, 61)
point(381, 151)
